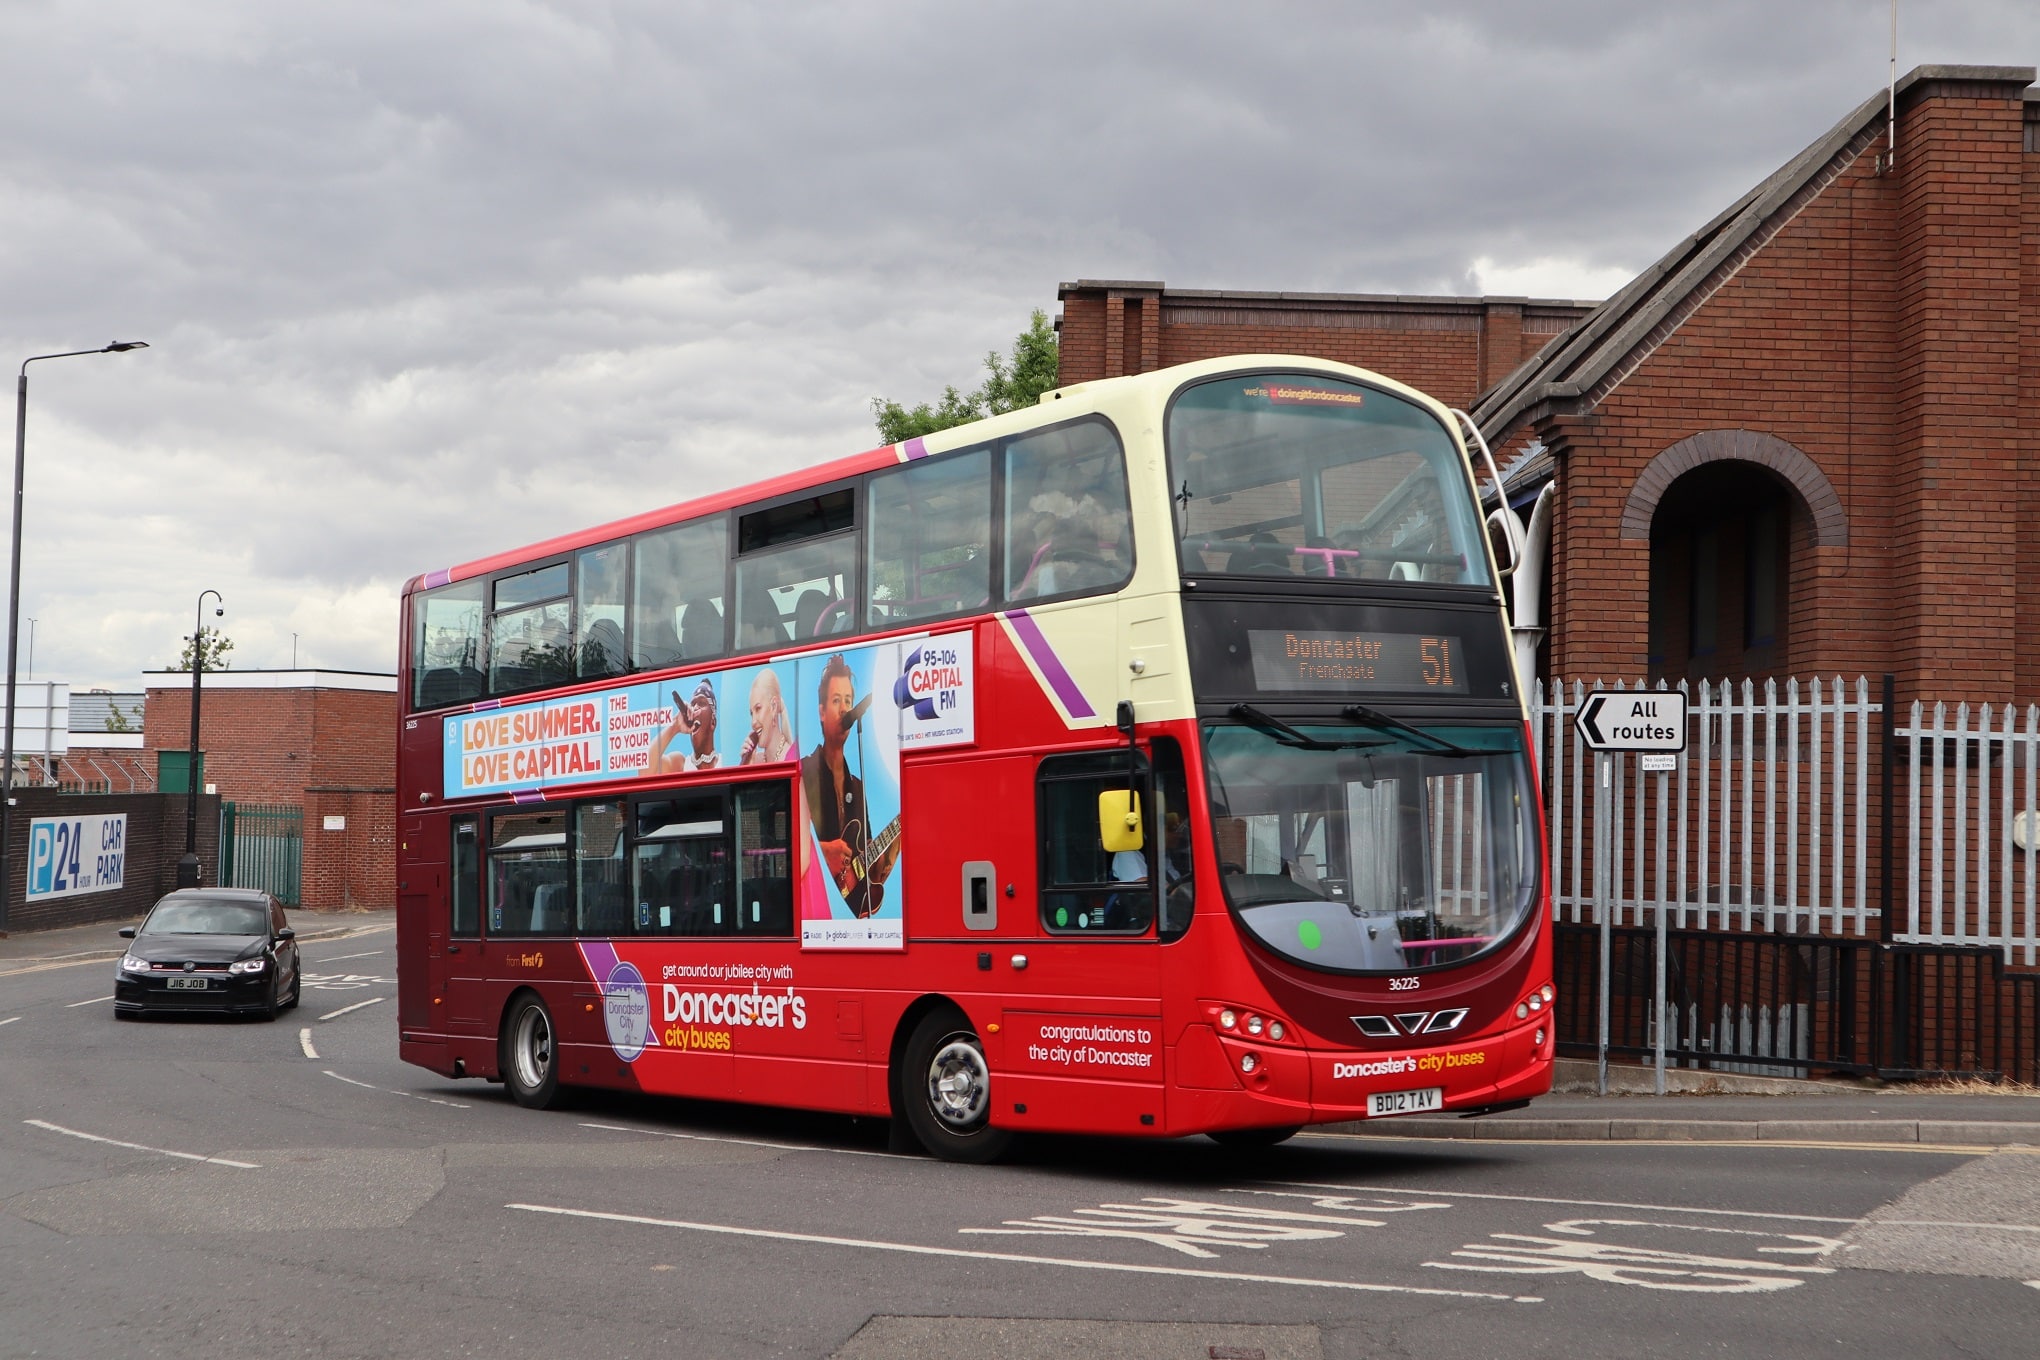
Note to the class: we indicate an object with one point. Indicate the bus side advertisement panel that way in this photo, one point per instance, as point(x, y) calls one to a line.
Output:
point(872, 705)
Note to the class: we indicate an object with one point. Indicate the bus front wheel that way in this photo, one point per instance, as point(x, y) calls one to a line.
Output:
point(946, 1089)
point(528, 1056)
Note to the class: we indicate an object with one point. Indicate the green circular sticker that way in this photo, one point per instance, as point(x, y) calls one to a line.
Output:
point(1308, 932)
point(1062, 916)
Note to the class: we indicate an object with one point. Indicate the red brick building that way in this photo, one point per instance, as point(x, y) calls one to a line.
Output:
point(322, 741)
point(1793, 445)
point(1452, 348)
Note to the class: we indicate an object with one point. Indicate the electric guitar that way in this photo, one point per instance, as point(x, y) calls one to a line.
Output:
point(858, 894)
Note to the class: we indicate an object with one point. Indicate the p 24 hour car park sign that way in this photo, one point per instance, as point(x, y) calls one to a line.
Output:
point(68, 856)
point(1642, 720)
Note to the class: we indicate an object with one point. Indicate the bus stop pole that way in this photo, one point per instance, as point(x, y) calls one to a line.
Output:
point(1604, 817)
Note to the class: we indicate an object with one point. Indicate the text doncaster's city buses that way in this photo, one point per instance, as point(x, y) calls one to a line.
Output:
point(1149, 762)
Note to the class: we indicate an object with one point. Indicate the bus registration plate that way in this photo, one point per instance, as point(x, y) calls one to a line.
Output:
point(1405, 1102)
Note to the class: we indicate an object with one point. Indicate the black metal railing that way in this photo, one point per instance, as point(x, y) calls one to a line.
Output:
point(1776, 1004)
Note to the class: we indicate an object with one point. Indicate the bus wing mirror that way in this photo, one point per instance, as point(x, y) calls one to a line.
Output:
point(1119, 821)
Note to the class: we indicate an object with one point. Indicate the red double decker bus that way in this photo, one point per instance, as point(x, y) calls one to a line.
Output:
point(1149, 762)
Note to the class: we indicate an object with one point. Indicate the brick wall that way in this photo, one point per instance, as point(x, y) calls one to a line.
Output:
point(1451, 348)
point(155, 842)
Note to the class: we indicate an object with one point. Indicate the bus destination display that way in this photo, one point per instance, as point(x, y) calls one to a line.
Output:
point(1300, 660)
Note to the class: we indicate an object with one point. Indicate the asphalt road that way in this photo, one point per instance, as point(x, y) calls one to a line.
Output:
point(219, 1188)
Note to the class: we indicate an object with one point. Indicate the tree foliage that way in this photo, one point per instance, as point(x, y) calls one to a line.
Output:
point(1010, 384)
point(217, 646)
point(117, 721)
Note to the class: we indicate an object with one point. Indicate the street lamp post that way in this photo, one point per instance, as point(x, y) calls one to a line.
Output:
point(187, 867)
point(14, 606)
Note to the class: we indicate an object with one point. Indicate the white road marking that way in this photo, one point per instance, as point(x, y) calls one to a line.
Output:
point(334, 1015)
point(304, 1038)
point(911, 1249)
point(1190, 1226)
point(74, 1005)
point(755, 1142)
point(142, 1147)
point(9, 1020)
point(1568, 1203)
point(344, 957)
point(1574, 1252)
point(408, 1095)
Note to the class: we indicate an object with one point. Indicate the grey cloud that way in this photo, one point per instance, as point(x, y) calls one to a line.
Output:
point(426, 281)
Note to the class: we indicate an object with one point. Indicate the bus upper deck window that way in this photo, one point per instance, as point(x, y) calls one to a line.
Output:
point(599, 611)
point(1068, 525)
point(530, 637)
point(676, 612)
point(930, 539)
point(446, 650)
point(1315, 477)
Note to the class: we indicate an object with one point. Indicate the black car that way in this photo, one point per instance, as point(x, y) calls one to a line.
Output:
point(209, 949)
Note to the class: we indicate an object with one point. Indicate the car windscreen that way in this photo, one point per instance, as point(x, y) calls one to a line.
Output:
point(197, 916)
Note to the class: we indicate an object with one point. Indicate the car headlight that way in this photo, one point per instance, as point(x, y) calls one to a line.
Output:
point(131, 964)
point(248, 966)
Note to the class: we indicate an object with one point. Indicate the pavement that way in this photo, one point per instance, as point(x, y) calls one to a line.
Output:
point(1701, 1107)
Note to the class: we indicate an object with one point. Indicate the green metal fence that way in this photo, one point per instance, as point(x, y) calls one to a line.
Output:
point(262, 845)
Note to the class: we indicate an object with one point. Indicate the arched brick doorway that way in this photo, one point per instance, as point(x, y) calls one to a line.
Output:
point(1729, 515)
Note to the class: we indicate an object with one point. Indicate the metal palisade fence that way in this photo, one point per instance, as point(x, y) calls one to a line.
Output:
point(1812, 884)
point(1774, 817)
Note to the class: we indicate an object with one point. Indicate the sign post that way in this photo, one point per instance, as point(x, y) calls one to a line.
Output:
point(1653, 723)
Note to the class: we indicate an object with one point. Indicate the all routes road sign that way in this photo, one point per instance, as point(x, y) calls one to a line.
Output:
point(1641, 720)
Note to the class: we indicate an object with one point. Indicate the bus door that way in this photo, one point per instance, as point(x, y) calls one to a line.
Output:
point(460, 966)
point(421, 916)
point(1083, 1033)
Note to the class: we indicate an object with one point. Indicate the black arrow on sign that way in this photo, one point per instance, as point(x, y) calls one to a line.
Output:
point(1589, 712)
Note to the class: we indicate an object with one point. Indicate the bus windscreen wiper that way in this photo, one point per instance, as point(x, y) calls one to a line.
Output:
point(1375, 718)
point(1290, 736)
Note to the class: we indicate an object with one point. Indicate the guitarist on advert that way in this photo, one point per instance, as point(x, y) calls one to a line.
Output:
point(859, 861)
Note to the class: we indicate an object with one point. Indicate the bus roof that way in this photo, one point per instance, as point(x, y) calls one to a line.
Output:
point(1086, 395)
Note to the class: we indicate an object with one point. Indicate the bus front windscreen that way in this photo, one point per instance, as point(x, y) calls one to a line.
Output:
point(1310, 476)
point(1373, 849)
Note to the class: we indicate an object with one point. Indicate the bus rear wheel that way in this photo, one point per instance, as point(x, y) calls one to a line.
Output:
point(1248, 1139)
point(527, 1054)
point(945, 1087)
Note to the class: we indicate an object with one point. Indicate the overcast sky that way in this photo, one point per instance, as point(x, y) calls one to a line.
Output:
point(431, 279)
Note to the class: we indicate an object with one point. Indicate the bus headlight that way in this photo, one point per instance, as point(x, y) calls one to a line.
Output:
point(1226, 1019)
point(1248, 1062)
